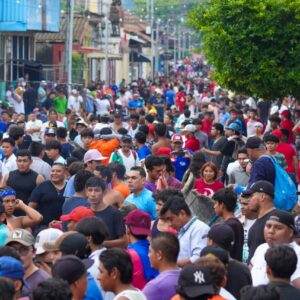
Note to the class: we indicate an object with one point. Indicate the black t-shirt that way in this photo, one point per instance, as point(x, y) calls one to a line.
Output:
point(256, 233)
point(238, 276)
point(49, 201)
point(113, 220)
point(236, 250)
point(218, 145)
point(286, 290)
point(228, 148)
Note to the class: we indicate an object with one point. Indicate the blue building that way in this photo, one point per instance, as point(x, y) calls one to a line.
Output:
point(19, 21)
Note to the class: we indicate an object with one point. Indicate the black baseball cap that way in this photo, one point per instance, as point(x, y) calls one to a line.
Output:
point(195, 281)
point(222, 235)
point(261, 186)
point(254, 142)
point(283, 217)
point(216, 251)
point(126, 137)
point(75, 244)
point(105, 131)
point(70, 268)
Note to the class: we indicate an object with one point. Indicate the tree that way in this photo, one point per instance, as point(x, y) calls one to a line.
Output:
point(253, 45)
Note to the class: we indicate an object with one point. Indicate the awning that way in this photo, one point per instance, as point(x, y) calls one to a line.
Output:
point(101, 55)
point(138, 57)
point(135, 38)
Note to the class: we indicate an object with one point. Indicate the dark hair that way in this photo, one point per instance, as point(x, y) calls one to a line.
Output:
point(134, 116)
point(211, 165)
point(285, 132)
point(70, 160)
point(149, 118)
point(282, 260)
point(198, 160)
point(160, 129)
point(261, 292)
point(9, 140)
point(36, 148)
point(152, 161)
point(275, 118)
point(54, 145)
point(243, 150)
point(216, 269)
point(7, 289)
point(93, 227)
point(95, 182)
point(75, 167)
point(61, 132)
point(52, 110)
point(271, 138)
point(175, 205)
point(80, 180)
point(140, 170)
point(23, 152)
point(52, 288)
point(16, 132)
point(144, 128)
point(87, 132)
point(105, 172)
point(168, 244)
point(187, 113)
point(164, 195)
point(119, 259)
point(117, 168)
point(219, 127)
point(226, 196)
point(122, 131)
point(140, 137)
point(10, 251)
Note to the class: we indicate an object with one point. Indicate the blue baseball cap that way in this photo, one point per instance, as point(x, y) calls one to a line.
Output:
point(233, 126)
point(11, 267)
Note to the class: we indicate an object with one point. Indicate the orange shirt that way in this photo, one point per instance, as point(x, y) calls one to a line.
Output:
point(214, 297)
point(105, 147)
point(122, 188)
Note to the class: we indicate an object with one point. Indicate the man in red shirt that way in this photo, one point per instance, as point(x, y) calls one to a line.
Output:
point(290, 154)
point(180, 99)
point(191, 142)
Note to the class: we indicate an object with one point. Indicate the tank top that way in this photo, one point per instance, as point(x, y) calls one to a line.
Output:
point(22, 183)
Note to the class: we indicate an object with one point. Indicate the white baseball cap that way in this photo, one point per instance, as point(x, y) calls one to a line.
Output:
point(190, 128)
point(46, 236)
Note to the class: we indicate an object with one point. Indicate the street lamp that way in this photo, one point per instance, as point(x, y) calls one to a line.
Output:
point(104, 26)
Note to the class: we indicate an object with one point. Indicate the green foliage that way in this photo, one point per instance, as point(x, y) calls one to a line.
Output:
point(77, 67)
point(253, 45)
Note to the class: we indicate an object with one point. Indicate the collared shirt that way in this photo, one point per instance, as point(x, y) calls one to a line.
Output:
point(191, 239)
point(143, 201)
point(9, 164)
point(41, 167)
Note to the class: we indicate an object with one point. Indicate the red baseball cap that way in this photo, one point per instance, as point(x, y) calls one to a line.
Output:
point(77, 214)
point(164, 151)
point(277, 132)
point(177, 138)
point(139, 222)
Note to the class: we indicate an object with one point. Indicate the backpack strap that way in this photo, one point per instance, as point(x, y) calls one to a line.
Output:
point(138, 270)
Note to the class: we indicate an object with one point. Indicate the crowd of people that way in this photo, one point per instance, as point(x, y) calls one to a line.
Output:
point(95, 186)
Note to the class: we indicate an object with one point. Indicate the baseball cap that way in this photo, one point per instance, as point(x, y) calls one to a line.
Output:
point(76, 244)
point(81, 122)
point(70, 268)
point(190, 128)
point(258, 124)
point(216, 251)
point(118, 114)
point(253, 142)
point(283, 217)
point(139, 222)
point(177, 138)
point(49, 131)
point(164, 151)
point(105, 131)
point(93, 154)
point(126, 137)
point(277, 132)
point(77, 214)
point(11, 267)
point(233, 126)
point(195, 281)
point(222, 107)
point(20, 236)
point(222, 235)
point(46, 236)
point(261, 186)
point(173, 107)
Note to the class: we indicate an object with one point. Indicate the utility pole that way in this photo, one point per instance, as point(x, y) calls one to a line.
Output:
point(175, 47)
point(106, 53)
point(152, 37)
point(69, 44)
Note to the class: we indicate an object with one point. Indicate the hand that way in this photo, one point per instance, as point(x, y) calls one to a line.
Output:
point(20, 204)
point(203, 150)
point(188, 154)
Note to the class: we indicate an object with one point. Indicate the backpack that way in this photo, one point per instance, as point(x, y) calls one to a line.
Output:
point(119, 158)
point(238, 144)
point(284, 188)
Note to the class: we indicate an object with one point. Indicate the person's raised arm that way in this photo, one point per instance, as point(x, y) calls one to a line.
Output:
point(32, 216)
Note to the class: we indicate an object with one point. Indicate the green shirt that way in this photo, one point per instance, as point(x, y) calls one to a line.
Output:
point(60, 104)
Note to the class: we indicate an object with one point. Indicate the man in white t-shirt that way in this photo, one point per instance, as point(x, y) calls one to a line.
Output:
point(33, 127)
point(279, 229)
point(9, 163)
point(74, 101)
point(103, 105)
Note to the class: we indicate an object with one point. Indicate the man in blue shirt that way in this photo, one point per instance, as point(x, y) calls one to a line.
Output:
point(136, 102)
point(170, 95)
point(140, 140)
point(140, 196)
